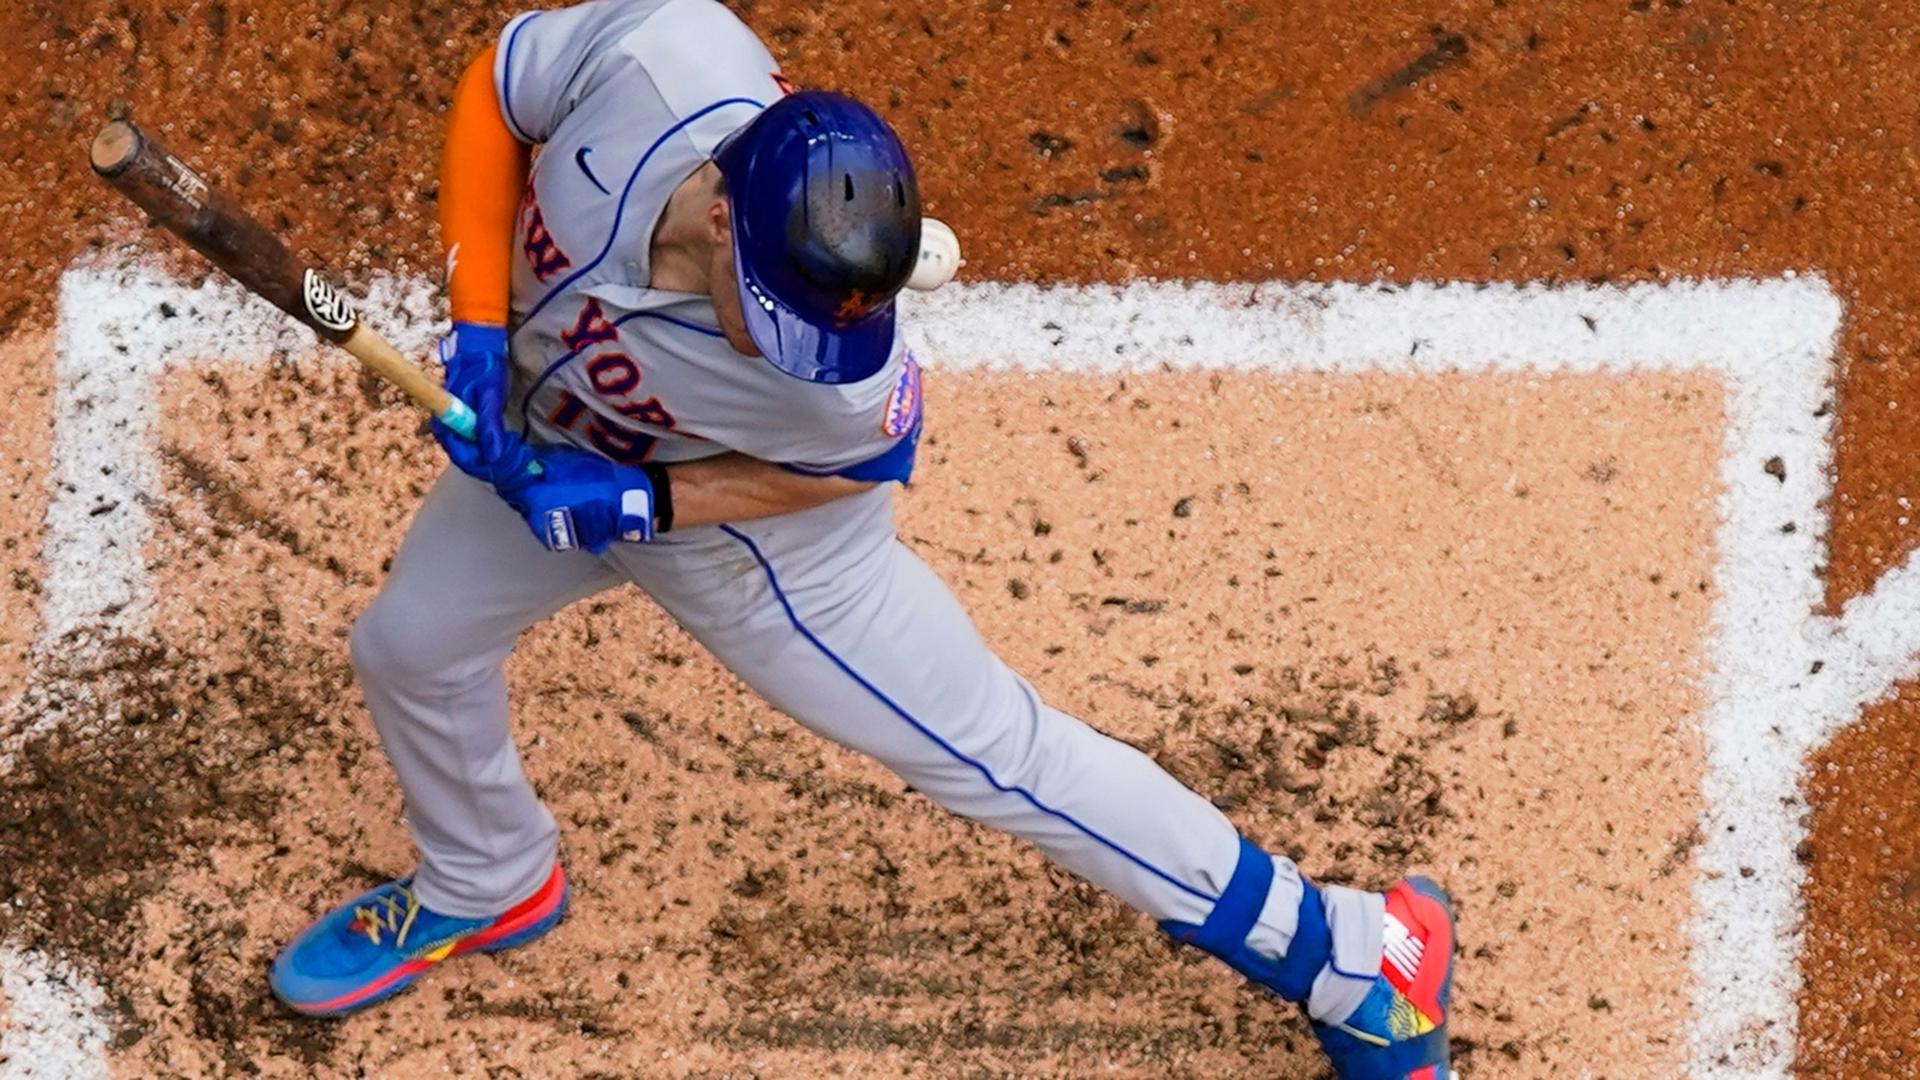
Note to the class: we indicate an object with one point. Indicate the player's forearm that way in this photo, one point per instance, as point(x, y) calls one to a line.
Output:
point(734, 487)
point(483, 173)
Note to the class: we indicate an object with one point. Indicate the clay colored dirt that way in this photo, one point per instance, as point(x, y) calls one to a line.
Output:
point(728, 865)
point(26, 416)
point(1513, 140)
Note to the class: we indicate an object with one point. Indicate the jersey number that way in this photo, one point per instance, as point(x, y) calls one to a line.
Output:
point(621, 444)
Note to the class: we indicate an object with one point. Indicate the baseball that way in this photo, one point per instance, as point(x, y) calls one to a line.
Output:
point(939, 256)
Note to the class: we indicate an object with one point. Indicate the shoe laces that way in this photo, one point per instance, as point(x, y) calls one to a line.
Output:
point(392, 913)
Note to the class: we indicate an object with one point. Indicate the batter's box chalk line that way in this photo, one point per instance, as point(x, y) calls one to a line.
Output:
point(52, 1029)
point(1770, 343)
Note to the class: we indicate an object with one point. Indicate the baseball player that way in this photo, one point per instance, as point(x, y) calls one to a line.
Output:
point(677, 326)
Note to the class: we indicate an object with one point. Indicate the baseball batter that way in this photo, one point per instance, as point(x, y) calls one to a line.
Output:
point(677, 326)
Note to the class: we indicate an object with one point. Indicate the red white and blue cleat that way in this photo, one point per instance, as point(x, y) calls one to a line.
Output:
point(378, 943)
point(1400, 1031)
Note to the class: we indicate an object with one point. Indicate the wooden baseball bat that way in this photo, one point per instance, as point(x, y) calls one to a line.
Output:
point(177, 198)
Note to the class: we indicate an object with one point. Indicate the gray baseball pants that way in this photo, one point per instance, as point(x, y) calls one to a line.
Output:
point(831, 619)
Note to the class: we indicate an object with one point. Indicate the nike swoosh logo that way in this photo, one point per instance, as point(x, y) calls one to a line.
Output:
point(580, 159)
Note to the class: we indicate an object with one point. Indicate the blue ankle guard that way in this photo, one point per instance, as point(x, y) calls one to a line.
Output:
point(1224, 934)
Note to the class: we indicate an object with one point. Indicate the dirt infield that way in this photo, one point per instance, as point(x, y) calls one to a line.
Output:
point(729, 866)
point(1466, 140)
point(28, 420)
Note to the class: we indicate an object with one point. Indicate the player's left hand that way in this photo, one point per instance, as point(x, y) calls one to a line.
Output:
point(475, 356)
point(582, 500)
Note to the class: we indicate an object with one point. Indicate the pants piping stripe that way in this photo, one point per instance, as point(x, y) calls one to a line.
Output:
point(978, 766)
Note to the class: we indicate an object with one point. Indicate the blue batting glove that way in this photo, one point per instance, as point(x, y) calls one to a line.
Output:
point(581, 500)
point(475, 356)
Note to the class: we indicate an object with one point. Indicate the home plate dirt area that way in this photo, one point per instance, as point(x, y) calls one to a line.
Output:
point(1471, 438)
point(1455, 614)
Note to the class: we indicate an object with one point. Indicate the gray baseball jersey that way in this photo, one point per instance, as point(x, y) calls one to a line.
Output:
point(823, 612)
point(627, 98)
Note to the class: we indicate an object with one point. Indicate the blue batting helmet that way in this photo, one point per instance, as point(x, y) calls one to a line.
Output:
point(826, 230)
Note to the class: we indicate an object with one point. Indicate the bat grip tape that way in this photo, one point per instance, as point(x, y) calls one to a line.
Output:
point(458, 418)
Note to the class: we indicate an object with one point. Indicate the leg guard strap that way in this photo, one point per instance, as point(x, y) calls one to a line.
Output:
point(1224, 934)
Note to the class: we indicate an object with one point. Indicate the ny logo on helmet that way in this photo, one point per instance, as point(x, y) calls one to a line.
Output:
point(855, 306)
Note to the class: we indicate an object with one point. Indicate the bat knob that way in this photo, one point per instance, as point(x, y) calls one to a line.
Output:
point(115, 148)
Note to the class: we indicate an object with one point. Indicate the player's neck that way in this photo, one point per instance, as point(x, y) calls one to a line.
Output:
point(680, 253)
point(677, 267)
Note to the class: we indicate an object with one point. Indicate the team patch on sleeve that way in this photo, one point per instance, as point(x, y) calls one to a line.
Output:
point(903, 404)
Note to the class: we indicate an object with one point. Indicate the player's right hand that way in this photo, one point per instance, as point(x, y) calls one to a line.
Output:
point(475, 356)
point(581, 501)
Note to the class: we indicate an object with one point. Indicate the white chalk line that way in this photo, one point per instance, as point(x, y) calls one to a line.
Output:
point(1770, 342)
point(1866, 651)
point(53, 1029)
point(119, 328)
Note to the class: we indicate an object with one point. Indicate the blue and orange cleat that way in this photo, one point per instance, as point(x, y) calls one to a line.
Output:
point(1400, 1031)
point(378, 943)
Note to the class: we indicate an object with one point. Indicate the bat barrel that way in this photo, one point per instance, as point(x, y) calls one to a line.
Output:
point(181, 201)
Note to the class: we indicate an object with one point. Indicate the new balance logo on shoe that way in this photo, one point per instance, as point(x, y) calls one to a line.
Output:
point(1401, 949)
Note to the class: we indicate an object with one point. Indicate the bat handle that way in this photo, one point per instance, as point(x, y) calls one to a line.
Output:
point(384, 360)
point(459, 417)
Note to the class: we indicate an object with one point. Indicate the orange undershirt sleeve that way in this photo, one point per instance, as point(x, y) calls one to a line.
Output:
point(483, 173)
